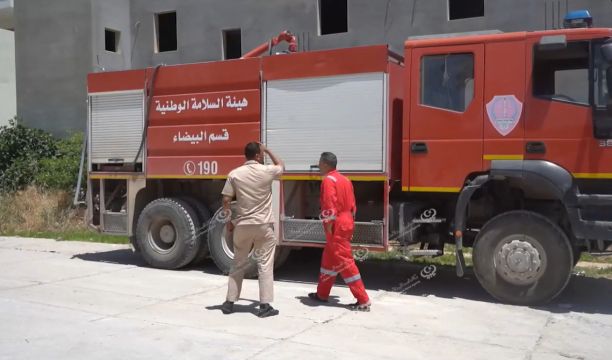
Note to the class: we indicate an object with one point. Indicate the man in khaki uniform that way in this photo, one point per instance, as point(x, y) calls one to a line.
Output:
point(253, 227)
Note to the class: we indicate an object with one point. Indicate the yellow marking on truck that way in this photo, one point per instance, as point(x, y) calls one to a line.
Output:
point(593, 175)
point(284, 177)
point(187, 176)
point(319, 177)
point(502, 157)
point(434, 189)
point(114, 176)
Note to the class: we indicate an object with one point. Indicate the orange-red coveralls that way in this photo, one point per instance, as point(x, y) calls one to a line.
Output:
point(337, 208)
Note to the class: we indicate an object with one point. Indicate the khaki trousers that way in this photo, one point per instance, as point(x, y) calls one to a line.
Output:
point(262, 240)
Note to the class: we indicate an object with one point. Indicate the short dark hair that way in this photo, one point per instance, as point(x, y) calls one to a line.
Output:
point(330, 159)
point(251, 150)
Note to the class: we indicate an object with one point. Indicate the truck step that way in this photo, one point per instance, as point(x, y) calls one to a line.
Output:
point(590, 229)
point(425, 252)
point(594, 199)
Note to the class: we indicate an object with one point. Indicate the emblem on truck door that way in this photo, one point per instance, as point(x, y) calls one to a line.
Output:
point(504, 113)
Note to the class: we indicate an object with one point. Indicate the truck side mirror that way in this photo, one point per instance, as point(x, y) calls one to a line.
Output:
point(606, 51)
point(609, 86)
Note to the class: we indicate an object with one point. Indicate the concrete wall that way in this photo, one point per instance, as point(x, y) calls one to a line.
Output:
point(51, 70)
point(114, 15)
point(8, 102)
point(53, 56)
point(200, 22)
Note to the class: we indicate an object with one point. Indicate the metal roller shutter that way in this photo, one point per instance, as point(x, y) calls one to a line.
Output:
point(345, 114)
point(116, 124)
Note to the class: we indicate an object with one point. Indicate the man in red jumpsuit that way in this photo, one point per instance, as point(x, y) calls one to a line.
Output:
point(338, 214)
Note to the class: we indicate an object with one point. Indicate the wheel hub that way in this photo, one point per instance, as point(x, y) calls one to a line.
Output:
point(162, 236)
point(167, 233)
point(519, 262)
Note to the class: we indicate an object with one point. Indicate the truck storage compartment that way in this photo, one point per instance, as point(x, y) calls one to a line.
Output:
point(301, 221)
point(344, 114)
point(116, 121)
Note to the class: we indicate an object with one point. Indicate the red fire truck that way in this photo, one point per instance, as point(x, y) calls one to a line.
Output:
point(496, 141)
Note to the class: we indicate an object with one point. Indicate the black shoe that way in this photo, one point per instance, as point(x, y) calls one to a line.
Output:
point(360, 307)
point(227, 307)
point(315, 296)
point(266, 310)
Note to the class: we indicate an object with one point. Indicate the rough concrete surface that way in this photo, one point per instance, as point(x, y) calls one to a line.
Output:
point(72, 300)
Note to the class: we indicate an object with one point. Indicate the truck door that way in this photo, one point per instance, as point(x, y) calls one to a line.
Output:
point(566, 86)
point(446, 116)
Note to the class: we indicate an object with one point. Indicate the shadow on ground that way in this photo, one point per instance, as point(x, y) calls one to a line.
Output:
point(583, 294)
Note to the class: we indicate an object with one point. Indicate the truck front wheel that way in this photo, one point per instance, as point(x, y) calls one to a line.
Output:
point(523, 258)
point(166, 233)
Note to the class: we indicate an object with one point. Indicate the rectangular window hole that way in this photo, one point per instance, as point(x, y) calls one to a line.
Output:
point(464, 9)
point(333, 16)
point(111, 40)
point(165, 32)
point(232, 44)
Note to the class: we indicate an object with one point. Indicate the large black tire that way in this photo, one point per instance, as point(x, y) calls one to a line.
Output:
point(281, 255)
point(166, 233)
point(522, 258)
point(203, 215)
point(221, 249)
point(577, 253)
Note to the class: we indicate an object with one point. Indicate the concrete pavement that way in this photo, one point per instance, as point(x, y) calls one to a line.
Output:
point(72, 300)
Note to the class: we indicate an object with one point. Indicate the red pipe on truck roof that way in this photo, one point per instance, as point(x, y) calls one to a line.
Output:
point(283, 36)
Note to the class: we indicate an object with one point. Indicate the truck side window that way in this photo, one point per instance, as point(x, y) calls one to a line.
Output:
point(447, 81)
point(601, 77)
point(562, 74)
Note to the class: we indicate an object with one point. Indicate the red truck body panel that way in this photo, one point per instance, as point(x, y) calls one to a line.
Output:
point(116, 81)
point(355, 60)
point(200, 117)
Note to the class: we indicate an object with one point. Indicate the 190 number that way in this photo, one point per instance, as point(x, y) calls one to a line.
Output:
point(201, 168)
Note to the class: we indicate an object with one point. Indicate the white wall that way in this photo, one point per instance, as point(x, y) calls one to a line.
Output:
point(8, 102)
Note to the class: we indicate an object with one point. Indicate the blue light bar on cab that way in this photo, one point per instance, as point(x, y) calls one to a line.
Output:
point(578, 19)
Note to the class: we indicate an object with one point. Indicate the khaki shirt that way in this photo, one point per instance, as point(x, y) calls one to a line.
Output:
point(251, 183)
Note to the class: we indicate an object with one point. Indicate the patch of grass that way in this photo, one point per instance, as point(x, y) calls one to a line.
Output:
point(594, 272)
point(38, 213)
point(34, 210)
point(596, 259)
point(73, 235)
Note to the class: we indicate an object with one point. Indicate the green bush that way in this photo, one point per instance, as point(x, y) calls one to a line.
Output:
point(21, 148)
point(60, 172)
point(33, 157)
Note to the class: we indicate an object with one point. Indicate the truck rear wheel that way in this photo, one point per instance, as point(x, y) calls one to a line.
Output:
point(203, 215)
point(221, 247)
point(166, 233)
point(523, 258)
